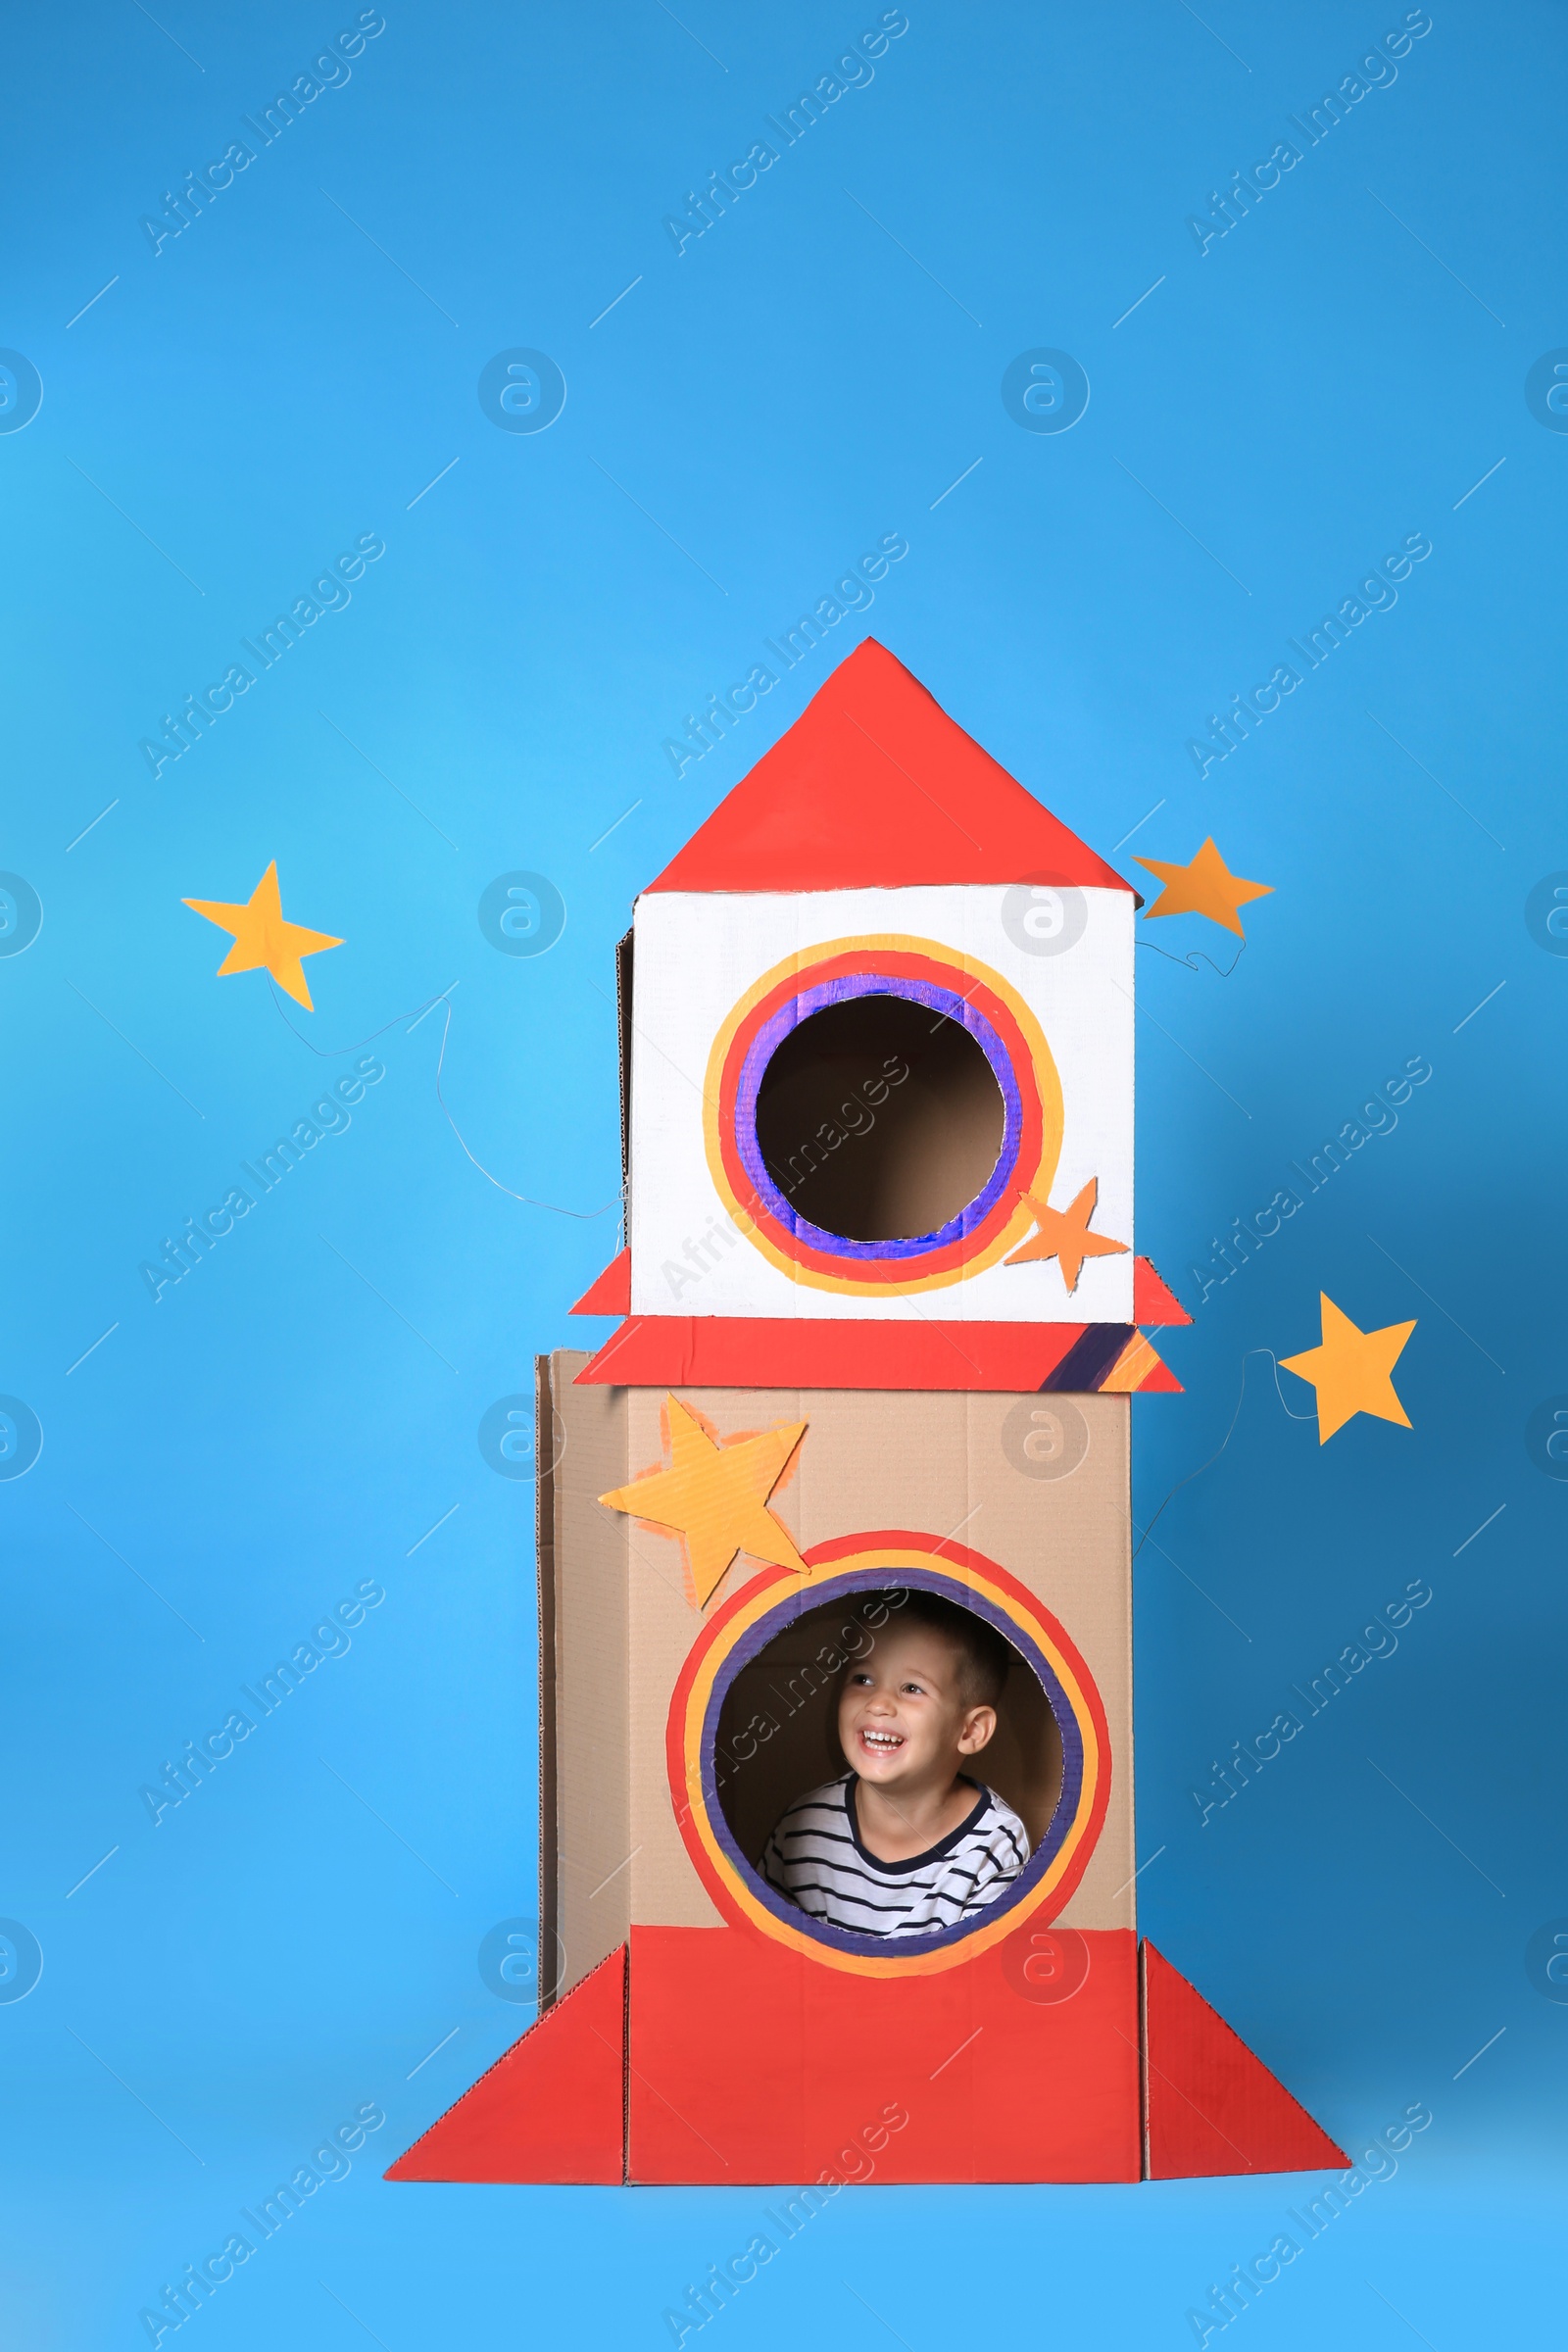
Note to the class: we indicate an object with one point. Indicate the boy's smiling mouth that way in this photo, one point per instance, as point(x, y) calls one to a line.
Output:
point(881, 1743)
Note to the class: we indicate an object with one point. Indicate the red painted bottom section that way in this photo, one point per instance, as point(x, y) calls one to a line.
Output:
point(553, 2108)
point(1213, 2106)
point(752, 2064)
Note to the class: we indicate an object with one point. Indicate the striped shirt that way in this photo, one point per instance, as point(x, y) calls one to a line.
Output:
point(817, 1858)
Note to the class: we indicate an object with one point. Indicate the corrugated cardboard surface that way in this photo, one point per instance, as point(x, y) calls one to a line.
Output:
point(586, 1883)
point(663, 1886)
point(544, 1529)
point(942, 1464)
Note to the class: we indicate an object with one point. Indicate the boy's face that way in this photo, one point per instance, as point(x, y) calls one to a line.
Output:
point(904, 1721)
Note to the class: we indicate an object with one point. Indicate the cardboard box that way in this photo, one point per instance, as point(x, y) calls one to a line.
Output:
point(880, 1333)
point(951, 1471)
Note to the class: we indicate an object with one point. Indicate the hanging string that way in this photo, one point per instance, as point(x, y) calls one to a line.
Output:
point(582, 1215)
point(1190, 965)
point(1225, 1440)
point(331, 1053)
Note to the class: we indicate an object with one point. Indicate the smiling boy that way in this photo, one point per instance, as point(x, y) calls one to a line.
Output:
point(906, 1844)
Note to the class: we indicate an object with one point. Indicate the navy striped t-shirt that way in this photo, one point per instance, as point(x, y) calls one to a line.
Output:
point(817, 1858)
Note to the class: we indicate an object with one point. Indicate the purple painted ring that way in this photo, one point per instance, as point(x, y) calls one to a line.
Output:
point(799, 1008)
point(872, 1580)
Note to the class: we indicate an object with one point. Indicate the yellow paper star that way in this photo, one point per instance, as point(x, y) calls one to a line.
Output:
point(1206, 887)
point(1063, 1233)
point(263, 939)
point(715, 1496)
point(1350, 1370)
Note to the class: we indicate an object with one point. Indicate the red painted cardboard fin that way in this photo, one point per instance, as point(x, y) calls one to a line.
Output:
point(876, 785)
point(744, 1352)
point(552, 2108)
point(1210, 2106)
point(1154, 1301)
point(609, 1292)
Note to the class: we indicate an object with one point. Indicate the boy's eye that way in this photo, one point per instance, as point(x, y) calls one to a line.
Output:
point(918, 1689)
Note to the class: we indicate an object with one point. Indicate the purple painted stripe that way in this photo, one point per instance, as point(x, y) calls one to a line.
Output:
point(799, 1008)
point(1090, 1358)
point(870, 1580)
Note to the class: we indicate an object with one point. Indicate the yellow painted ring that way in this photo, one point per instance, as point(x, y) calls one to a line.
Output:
point(1037, 1179)
point(860, 1563)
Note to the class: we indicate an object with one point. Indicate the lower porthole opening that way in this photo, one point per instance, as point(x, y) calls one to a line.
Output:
point(777, 1737)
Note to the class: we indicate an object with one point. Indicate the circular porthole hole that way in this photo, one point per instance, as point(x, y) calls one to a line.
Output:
point(778, 1733)
point(879, 1119)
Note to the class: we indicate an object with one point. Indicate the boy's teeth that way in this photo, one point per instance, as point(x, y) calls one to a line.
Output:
point(883, 1738)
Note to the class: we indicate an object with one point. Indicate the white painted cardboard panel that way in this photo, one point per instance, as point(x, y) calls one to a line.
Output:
point(697, 954)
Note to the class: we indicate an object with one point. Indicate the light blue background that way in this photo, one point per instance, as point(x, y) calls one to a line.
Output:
point(214, 429)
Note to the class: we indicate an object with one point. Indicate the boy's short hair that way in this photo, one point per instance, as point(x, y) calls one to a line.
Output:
point(984, 1654)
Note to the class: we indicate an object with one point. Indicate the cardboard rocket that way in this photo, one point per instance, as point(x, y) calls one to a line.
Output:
point(882, 1314)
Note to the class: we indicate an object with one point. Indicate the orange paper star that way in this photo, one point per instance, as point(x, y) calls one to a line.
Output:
point(1350, 1370)
point(1206, 887)
point(1063, 1234)
point(263, 939)
point(715, 1496)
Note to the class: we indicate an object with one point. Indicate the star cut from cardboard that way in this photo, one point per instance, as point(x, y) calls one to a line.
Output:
point(1350, 1370)
point(716, 1497)
point(1204, 886)
point(1063, 1234)
point(264, 941)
